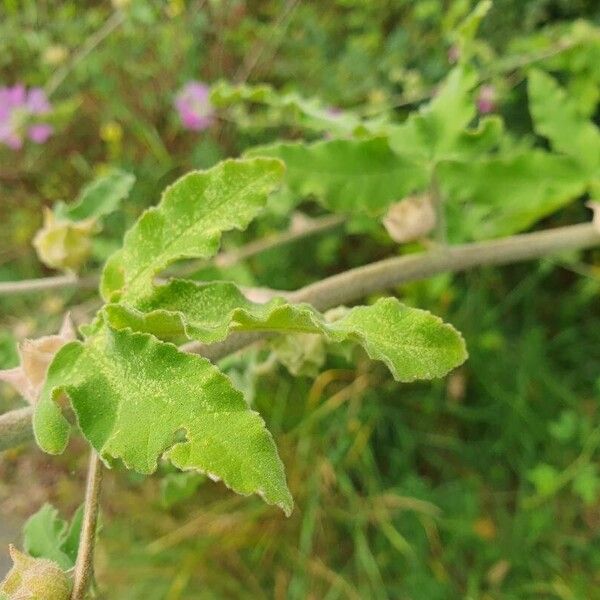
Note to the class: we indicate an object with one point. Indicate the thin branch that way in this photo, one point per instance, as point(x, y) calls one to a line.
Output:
point(84, 565)
point(279, 28)
point(15, 428)
point(224, 259)
point(92, 42)
point(379, 276)
point(27, 286)
point(382, 275)
point(362, 281)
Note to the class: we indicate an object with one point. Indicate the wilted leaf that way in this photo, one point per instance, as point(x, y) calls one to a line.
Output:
point(189, 221)
point(63, 244)
point(410, 219)
point(36, 355)
point(137, 399)
point(34, 579)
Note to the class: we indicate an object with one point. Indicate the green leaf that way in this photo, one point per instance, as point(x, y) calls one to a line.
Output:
point(413, 343)
point(309, 113)
point(100, 197)
point(178, 487)
point(436, 131)
point(347, 176)
point(188, 222)
point(557, 117)
point(503, 195)
point(137, 399)
point(46, 535)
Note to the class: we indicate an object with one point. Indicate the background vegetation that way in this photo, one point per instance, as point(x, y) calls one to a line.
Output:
point(485, 485)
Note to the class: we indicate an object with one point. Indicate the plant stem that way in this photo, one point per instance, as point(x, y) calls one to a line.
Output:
point(84, 565)
point(15, 427)
point(357, 283)
point(223, 259)
point(26, 286)
point(379, 276)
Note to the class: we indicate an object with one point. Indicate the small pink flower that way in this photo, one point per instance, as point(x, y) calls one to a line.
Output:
point(17, 107)
point(486, 99)
point(194, 107)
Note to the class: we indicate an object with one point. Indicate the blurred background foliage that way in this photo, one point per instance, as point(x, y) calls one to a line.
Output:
point(483, 486)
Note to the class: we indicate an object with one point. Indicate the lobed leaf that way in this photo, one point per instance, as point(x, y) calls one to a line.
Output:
point(437, 131)
point(557, 117)
point(414, 344)
point(347, 176)
point(46, 535)
point(503, 195)
point(137, 399)
point(189, 221)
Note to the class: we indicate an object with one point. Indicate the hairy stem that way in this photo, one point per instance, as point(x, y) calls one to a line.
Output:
point(84, 565)
point(15, 427)
point(355, 284)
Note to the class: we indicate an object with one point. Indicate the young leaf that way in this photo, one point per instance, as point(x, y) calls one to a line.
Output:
point(46, 535)
point(188, 222)
point(137, 399)
point(557, 117)
point(100, 197)
point(347, 176)
point(437, 131)
point(178, 487)
point(413, 343)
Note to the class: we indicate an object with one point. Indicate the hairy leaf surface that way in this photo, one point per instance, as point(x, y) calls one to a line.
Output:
point(137, 399)
point(413, 343)
point(188, 222)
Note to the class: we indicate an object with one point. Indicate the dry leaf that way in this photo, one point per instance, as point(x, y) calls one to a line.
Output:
point(34, 579)
point(410, 219)
point(62, 244)
point(36, 356)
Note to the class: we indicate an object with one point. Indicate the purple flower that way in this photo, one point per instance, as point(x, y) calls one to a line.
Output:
point(486, 99)
point(17, 107)
point(194, 107)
